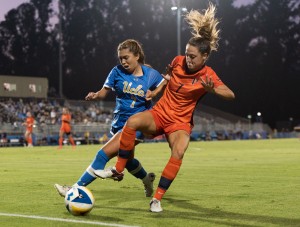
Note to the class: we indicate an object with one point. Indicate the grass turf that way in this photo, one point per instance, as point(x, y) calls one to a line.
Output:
point(222, 183)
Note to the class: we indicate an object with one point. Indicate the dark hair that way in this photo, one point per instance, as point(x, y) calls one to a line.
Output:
point(134, 47)
point(202, 44)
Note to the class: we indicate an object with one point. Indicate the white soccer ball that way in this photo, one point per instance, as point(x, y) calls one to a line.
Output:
point(79, 200)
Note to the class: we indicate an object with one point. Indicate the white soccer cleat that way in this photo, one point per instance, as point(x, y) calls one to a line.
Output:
point(155, 206)
point(109, 172)
point(148, 184)
point(62, 190)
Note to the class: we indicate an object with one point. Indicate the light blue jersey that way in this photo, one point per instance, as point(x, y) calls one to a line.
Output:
point(131, 92)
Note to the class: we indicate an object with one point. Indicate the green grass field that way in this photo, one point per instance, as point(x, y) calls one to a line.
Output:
point(230, 183)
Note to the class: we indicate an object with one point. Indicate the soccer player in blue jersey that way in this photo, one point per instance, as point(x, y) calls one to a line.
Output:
point(132, 81)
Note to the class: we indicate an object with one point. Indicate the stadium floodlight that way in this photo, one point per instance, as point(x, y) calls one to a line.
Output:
point(259, 117)
point(178, 10)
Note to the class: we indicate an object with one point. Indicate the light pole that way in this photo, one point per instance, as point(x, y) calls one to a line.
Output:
point(60, 80)
point(249, 120)
point(178, 10)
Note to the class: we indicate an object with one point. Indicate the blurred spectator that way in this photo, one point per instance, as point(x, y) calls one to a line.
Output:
point(3, 139)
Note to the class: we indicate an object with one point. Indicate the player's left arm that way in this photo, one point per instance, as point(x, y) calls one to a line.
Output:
point(220, 90)
point(224, 92)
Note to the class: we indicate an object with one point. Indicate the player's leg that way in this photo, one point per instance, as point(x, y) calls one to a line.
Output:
point(28, 138)
point(135, 168)
point(143, 122)
point(71, 138)
point(178, 142)
point(108, 151)
point(60, 140)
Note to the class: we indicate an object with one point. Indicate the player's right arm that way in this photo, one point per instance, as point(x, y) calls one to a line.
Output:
point(167, 76)
point(152, 94)
point(99, 95)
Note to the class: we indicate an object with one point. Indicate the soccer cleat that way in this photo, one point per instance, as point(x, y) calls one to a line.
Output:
point(148, 184)
point(110, 172)
point(62, 190)
point(155, 206)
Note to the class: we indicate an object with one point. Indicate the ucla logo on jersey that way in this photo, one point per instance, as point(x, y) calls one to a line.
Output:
point(131, 90)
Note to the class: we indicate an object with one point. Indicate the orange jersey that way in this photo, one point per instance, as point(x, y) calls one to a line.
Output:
point(183, 92)
point(29, 123)
point(65, 122)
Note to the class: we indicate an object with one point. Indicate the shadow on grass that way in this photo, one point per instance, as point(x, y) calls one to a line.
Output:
point(220, 216)
point(200, 214)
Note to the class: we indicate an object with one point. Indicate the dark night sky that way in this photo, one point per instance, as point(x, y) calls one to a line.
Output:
point(249, 60)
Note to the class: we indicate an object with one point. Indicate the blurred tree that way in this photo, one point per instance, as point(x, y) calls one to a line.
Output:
point(266, 47)
point(93, 29)
point(258, 56)
point(26, 42)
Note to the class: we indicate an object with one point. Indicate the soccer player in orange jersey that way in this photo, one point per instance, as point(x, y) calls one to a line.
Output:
point(65, 127)
point(29, 126)
point(189, 80)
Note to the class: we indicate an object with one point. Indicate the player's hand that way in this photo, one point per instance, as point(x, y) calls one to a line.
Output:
point(149, 95)
point(91, 96)
point(167, 75)
point(208, 84)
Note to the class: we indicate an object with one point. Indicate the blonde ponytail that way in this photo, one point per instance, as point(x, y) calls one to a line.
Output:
point(204, 25)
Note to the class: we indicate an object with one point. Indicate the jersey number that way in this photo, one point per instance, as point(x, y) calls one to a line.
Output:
point(181, 85)
point(133, 102)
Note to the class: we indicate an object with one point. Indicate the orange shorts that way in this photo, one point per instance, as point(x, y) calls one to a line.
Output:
point(165, 126)
point(66, 129)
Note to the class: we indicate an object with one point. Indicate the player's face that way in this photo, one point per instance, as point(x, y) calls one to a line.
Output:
point(194, 59)
point(128, 60)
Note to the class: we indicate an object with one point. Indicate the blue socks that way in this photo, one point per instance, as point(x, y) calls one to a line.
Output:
point(135, 168)
point(99, 163)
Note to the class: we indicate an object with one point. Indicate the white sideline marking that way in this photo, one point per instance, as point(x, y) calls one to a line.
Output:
point(196, 148)
point(64, 220)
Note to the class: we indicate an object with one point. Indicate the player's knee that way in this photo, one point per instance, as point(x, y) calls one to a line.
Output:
point(133, 122)
point(178, 152)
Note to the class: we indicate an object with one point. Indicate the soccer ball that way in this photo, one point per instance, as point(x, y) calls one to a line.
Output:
point(79, 200)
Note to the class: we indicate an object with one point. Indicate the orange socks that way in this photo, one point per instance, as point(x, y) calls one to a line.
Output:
point(167, 177)
point(159, 193)
point(127, 141)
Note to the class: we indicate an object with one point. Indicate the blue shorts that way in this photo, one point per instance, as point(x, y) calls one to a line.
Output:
point(118, 123)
